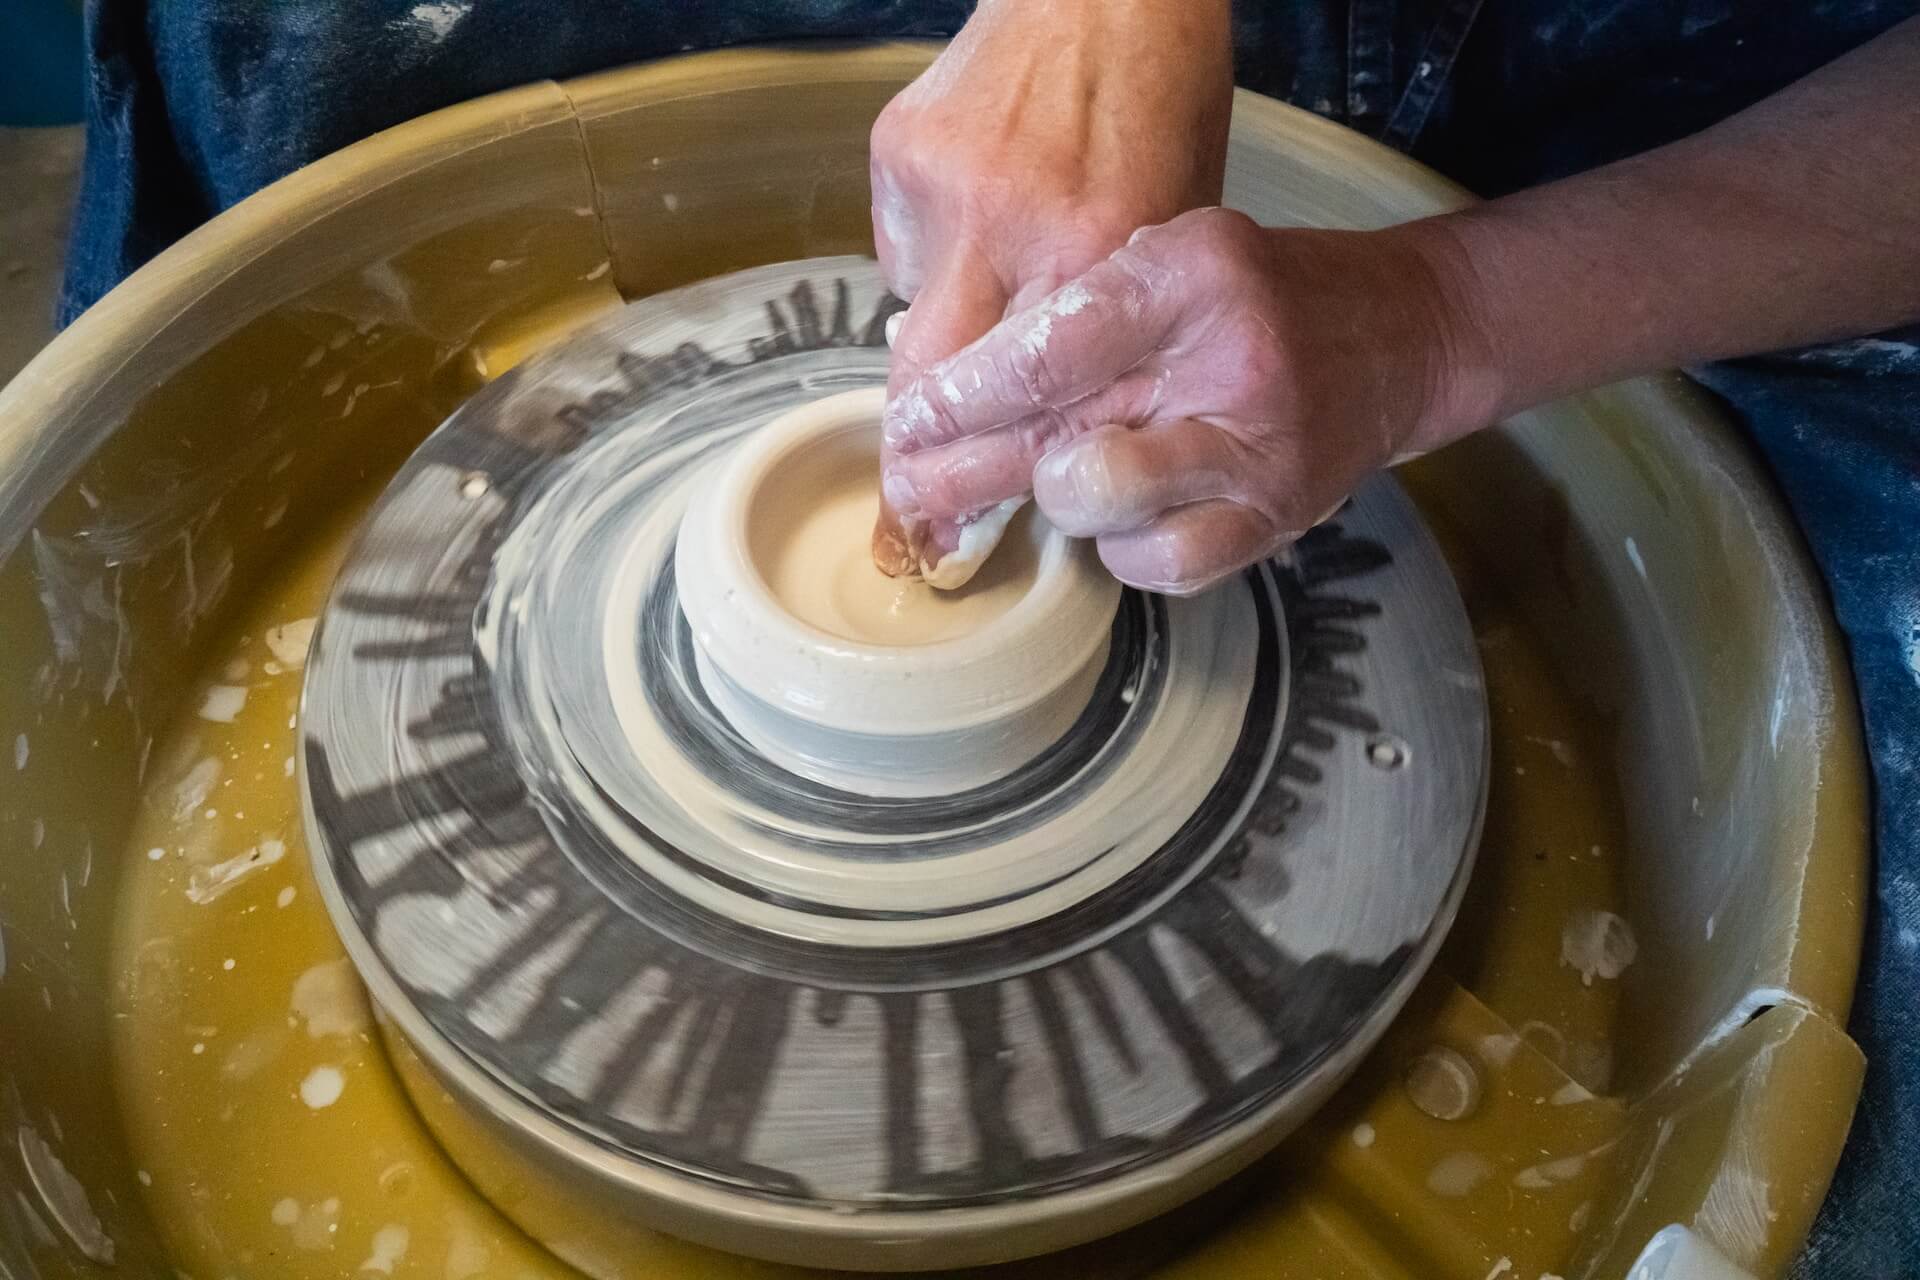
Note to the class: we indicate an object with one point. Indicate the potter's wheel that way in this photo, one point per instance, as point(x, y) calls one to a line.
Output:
point(795, 1021)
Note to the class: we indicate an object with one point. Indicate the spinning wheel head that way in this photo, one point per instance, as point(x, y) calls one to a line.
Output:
point(791, 1019)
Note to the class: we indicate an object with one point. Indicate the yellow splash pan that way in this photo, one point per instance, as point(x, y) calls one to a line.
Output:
point(1675, 742)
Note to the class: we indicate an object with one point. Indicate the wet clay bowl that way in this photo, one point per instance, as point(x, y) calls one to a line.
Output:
point(1640, 596)
point(855, 681)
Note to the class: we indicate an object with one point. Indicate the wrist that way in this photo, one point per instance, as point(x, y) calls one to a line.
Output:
point(1467, 380)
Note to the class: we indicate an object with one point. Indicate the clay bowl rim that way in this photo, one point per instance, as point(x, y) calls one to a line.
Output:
point(1028, 633)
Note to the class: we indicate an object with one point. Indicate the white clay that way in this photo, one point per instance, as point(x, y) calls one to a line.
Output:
point(808, 536)
point(638, 725)
point(840, 674)
point(978, 538)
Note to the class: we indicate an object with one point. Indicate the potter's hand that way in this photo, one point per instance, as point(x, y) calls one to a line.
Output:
point(1212, 388)
point(1031, 148)
point(1197, 400)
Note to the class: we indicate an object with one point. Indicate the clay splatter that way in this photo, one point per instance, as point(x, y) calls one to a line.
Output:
point(1598, 944)
point(1458, 1174)
point(1498, 1050)
point(222, 702)
point(389, 1246)
point(64, 1198)
point(192, 791)
point(322, 1087)
point(438, 20)
point(289, 642)
point(208, 883)
point(467, 1257)
point(328, 999)
point(1540, 1176)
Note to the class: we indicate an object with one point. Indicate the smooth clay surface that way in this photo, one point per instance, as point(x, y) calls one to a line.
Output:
point(830, 669)
point(274, 1139)
point(809, 522)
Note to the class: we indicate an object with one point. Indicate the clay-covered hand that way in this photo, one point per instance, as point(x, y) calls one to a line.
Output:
point(1032, 148)
point(1200, 398)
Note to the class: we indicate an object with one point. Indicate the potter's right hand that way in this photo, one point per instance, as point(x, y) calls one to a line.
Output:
point(1030, 150)
point(1203, 396)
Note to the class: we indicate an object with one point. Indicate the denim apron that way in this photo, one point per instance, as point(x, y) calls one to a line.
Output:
point(192, 106)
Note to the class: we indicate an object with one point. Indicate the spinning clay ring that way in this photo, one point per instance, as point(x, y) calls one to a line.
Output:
point(773, 1013)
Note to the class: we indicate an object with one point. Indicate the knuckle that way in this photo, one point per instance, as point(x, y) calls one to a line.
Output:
point(887, 139)
point(1216, 247)
point(903, 138)
point(1259, 355)
point(1223, 232)
point(1029, 369)
point(941, 426)
point(1145, 251)
point(1033, 435)
point(1130, 280)
point(918, 421)
point(983, 198)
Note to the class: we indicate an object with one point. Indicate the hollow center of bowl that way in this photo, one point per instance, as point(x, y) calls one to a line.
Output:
point(809, 529)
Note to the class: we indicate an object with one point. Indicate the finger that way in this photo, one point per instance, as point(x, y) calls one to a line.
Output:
point(1113, 479)
point(968, 475)
point(966, 302)
point(895, 545)
point(1191, 548)
point(1070, 344)
point(898, 237)
point(963, 300)
point(963, 303)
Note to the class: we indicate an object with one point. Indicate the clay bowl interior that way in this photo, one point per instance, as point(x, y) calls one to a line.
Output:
point(842, 461)
point(161, 457)
point(820, 670)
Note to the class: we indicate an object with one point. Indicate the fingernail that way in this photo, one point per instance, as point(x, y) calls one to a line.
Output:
point(903, 414)
point(1053, 465)
point(891, 427)
point(894, 322)
point(898, 491)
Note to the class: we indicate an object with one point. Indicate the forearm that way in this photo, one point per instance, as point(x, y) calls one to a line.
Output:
point(1796, 221)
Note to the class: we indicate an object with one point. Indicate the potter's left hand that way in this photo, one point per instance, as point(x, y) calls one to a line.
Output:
point(1030, 150)
point(1200, 398)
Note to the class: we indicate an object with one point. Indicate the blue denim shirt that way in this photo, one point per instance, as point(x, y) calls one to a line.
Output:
point(191, 107)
